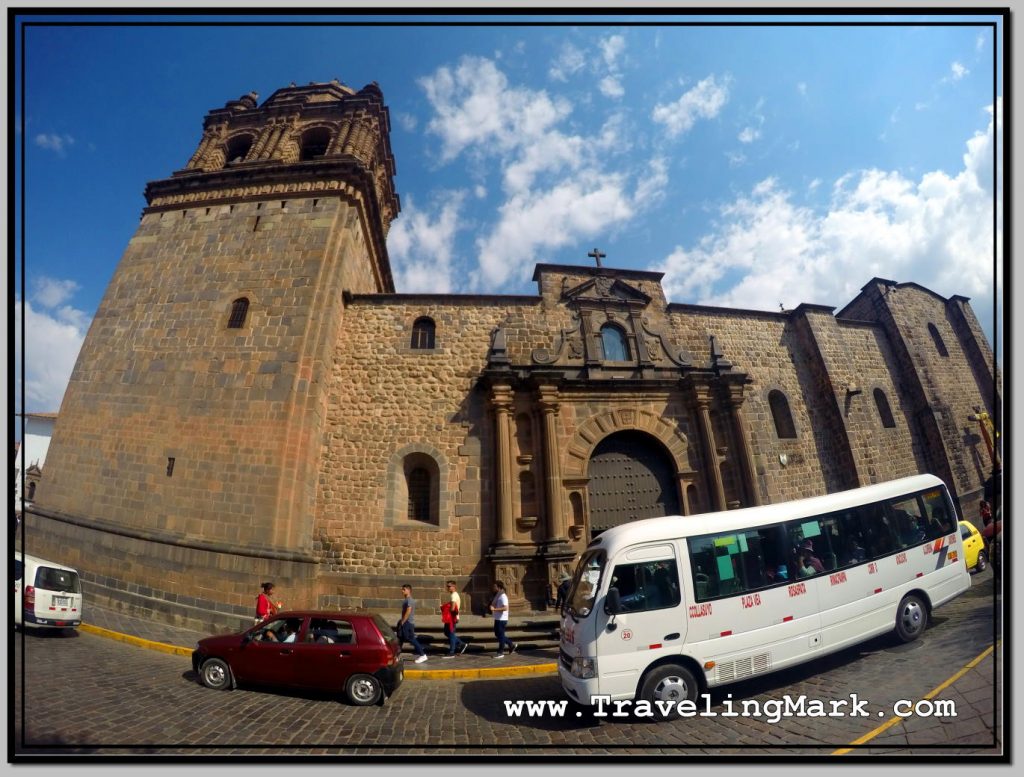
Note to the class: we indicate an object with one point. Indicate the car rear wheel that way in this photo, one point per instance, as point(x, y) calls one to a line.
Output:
point(216, 674)
point(911, 618)
point(363, 690)
point(982, 564)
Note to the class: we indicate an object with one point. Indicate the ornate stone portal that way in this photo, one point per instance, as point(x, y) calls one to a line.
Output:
point(613, 367)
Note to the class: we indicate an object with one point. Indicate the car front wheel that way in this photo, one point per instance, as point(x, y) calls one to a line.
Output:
point(216, 674)
point(669, 684)
point(363, 690)
point(982, 561)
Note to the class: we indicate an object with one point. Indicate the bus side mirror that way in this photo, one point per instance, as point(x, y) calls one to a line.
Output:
point(612, 602)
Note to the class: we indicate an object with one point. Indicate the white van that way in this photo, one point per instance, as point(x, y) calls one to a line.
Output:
point(47, 595)
point(664, 608)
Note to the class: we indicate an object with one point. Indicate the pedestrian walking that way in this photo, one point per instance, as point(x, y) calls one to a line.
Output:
point(265, 605)
point(499, 609)
point(406, 627)
point(450, 618)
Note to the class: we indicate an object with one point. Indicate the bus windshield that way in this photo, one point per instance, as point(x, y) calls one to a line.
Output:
point(585, 583)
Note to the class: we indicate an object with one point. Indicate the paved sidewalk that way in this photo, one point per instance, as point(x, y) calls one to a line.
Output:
point(473, 663)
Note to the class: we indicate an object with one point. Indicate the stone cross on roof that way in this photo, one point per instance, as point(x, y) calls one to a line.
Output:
point(597, 255)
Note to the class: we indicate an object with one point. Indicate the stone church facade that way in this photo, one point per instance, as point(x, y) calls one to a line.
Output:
point(255, 401)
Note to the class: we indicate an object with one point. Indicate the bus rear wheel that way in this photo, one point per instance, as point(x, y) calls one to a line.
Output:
point(669, 683)
point(911, 618)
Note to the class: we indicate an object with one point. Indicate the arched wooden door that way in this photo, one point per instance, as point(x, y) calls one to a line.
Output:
point(631, 477)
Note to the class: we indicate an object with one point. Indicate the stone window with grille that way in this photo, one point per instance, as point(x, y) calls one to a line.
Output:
point(423, 333)
point(613, 343)
point(239, 313)
point(419, 495)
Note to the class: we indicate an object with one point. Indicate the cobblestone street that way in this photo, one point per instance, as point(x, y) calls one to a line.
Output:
point(89, 694)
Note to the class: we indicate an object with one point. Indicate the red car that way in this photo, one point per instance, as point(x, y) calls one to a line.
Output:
point(357, 653)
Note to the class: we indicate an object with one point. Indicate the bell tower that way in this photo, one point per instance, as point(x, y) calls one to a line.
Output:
point(193, 422)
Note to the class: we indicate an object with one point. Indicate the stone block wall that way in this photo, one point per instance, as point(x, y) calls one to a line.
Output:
point(162, 377)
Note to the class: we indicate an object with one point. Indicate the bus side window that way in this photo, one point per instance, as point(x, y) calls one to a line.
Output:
point(906, 518)
point(703, 565)
point(937, 511)
point(881, 540)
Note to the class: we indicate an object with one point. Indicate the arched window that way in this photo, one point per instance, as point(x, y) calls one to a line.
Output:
point(937, 339)
point(31, 491)
point(239, 311)
point(613, 341)
point(238, 149)
point(882, 403)
point(418, 481)
point(314, 143)
point(423, 333)
point(784, 426)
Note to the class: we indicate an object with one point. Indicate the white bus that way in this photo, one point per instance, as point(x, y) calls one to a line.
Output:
point(664, 608)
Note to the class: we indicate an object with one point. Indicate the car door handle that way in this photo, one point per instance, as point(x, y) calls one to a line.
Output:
point(286, 652)
point(670, 637)
point(343, 654)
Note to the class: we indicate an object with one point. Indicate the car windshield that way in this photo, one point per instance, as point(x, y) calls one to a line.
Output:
point(585, 583)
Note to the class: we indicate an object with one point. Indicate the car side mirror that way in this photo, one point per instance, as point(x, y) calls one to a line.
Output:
point(612, 602)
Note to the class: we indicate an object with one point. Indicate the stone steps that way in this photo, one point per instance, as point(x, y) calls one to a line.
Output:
point(530, 633)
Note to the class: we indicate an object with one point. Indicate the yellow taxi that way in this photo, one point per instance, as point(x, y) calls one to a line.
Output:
point(974, 547)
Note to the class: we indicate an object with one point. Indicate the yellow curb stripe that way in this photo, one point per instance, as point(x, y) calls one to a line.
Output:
point(163, 648)
point(930, 695)
point(476, 674)
point(410, 674)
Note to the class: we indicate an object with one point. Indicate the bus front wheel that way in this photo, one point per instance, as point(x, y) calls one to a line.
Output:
point(911, 618)
point(669, 684)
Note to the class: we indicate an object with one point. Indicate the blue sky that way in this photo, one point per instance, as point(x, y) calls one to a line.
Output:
point(757, 166)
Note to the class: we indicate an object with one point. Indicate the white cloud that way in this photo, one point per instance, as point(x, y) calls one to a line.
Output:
point(479, 191)
point(54, 142)
point(979, 42)
point(570, 61)
point(704, 101)
point(749, 135)
point(475, 105)
point(408, 121)
point(52, 342)
point(736, 158)
point(765, 249)
point(572, 209)
point(611, 48)
point(958, 70)
point(610, 86)
point(802, 88)
point(51, 292)
point(421, 246)
point(560, 187)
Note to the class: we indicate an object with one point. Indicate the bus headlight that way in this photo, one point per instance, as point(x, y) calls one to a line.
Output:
point(584, 667)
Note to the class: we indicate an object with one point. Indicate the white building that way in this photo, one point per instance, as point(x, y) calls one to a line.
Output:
point(34, 444)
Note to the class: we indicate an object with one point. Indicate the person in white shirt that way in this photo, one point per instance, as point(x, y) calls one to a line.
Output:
point(499, 609)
